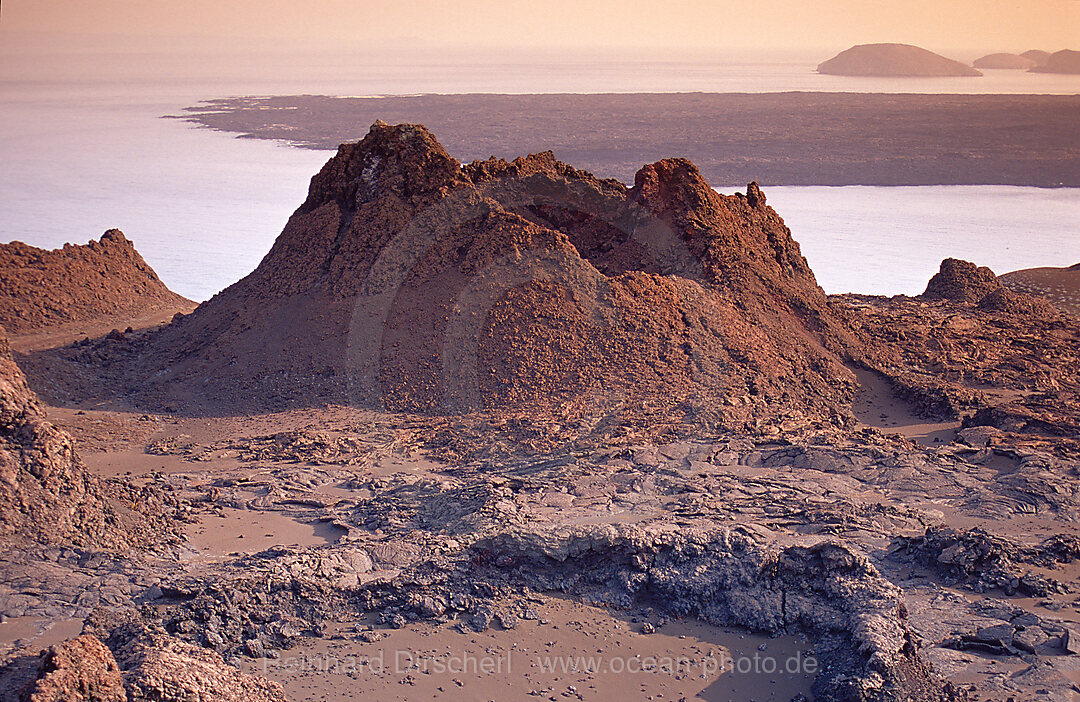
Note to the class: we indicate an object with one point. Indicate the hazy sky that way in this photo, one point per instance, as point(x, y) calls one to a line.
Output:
point(937, 24)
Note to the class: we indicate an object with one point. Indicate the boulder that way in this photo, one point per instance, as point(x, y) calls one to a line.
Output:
point(79, 670)
point(961, 281)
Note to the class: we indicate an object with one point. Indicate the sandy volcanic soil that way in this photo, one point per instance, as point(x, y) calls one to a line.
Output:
point(292, 492)
point(64, 334)
point(537, 660)
point(292, 479)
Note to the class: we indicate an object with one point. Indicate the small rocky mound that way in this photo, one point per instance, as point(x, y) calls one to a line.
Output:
point(78, 670)
point(1065, 61)
point(1006, 300)
point(104, 280)
point(46, 493)
point(1005, 61)
point(961, 281)
point(902, 60)
point(143, 666)
point(964, 282)
point(409, 282)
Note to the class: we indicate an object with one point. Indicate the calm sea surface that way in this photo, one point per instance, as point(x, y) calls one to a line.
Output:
point(90, 151)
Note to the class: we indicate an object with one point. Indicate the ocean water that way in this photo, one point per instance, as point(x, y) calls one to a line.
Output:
point(86, 147)
point(203, 208)
point(888, 241)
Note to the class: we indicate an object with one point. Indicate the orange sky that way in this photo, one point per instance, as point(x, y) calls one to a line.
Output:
point(1008, 25)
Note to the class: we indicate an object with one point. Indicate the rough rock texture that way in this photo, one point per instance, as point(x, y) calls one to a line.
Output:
point(1005, 61)
point(971, 349)
point(724, 576)
point(893, 60)
point(727, 578)
point(964, 282)
point(961, 281)
point(158, 667)
point(79, 670)
point(46, 493)
point(988, 561)
point(143, 666)
point(773, 533)
point(408, 282)
point(1065, 61)
point(100, 281)
point(465, 280)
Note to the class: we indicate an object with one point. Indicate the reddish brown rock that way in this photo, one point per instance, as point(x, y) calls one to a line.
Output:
point(972, 349)
point(410, 282)
point(79, 670)
point(961, 281)
point(44, 491)
point(161, 668)
point(964, 282)
point(143, 666)
point(46, 494)
point(1059, 286)
point(106, 281)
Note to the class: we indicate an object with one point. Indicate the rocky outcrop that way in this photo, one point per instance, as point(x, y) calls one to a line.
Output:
point(987, 561)
point(1065, 61)
point(79, 670)
point(724, 576)
point(103, 281)
point(159, 667)
point(961, 281)
point(973, 350)
point(729, 577)
point(46, 493)
point(143, 666)
point(902, 60)
point(409, 282)
point(1005, 61)
point(964, 282)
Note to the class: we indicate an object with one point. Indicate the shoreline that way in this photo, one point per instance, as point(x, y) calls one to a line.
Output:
point(787, 138)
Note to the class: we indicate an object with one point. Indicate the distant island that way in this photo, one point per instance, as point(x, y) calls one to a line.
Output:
point(1033, 61)
point(1066, 61)
point(900, 60)
point(1005, 61)
point(734, 138)
point(1037, 55)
